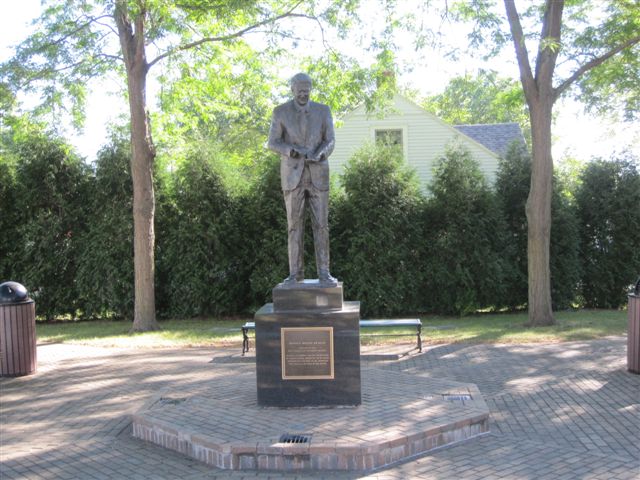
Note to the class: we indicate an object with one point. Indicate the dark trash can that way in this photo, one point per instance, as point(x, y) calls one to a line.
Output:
point(17, 331)
point(633, 332)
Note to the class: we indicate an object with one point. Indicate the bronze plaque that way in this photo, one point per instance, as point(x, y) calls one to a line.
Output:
point(307, 353)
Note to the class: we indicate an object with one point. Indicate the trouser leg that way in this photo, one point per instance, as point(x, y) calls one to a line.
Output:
point(294, 203)
point(319, 206)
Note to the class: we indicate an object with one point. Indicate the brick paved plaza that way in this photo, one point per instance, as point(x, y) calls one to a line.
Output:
point(560, 411)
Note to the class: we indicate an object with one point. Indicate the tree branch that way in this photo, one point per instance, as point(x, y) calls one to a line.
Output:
point(526, 76)
point(110, 27)
point(547, 50)
point(73, 32)
point(125, 32)
point(229, 36)
point(46, 73)
point(110, 57)
point(139, 39)
point(592, 64)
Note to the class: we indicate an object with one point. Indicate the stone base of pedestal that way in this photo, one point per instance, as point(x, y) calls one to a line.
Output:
point(308, 357)
point(218, 421)
point(308, 347)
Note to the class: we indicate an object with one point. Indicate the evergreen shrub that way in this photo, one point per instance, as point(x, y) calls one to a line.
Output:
point(105, 277)
point(608, 202)
point(10, 214)
point(466, 253)
point(201, 242)
point(53, 193)
point(376, 233)
point(512, 189)
point(263, 221)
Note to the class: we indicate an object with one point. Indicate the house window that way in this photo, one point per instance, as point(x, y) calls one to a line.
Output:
point(389, 136)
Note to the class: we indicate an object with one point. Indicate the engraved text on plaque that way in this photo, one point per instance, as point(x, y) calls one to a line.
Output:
point(307, 353)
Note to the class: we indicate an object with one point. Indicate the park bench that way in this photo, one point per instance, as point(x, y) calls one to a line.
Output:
point(413, 323)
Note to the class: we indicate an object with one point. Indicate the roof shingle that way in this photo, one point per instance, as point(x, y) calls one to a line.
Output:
point(496, 137)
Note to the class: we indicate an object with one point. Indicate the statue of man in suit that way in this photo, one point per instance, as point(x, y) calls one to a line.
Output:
point(302, 133)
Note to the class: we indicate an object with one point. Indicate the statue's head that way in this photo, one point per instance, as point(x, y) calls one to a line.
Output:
point(301, 88)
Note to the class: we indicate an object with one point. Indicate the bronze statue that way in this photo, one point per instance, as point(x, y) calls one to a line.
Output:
point(302, 133)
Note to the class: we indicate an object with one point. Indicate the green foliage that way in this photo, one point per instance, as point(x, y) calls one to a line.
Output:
point(10, 213)
point(263, 221)
point(563, 249)
point(69, 45)
point(221, 99)
point(221, 251)
point(201, 245)
point(512, 188)
point(466, 250)
point(609, 217)
point(611, 86)
point(375, 235)
point(485, 98)
point(105, 267)
point(342, 83)
point(590, 30)
point(52, 191)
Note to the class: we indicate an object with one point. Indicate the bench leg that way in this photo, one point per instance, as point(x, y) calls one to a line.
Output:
point(420, 338)
point(245, 341)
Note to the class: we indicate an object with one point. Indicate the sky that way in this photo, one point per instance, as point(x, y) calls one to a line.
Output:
point(576, 134)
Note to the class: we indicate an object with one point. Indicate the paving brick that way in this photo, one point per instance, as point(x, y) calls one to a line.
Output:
point(566, 410)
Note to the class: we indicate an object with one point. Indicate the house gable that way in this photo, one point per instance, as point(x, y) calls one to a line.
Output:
point(497, 137)
point(424, 138)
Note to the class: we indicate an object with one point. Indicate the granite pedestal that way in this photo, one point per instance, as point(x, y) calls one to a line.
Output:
point(308, 347)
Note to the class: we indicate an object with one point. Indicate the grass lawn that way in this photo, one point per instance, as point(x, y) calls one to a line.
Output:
point(481, 328)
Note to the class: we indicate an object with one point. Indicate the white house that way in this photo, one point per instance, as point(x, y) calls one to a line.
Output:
point(423, 138)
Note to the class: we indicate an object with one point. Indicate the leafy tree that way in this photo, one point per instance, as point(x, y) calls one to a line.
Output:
point(345, 83)
point(220, 99)
point(593, 42)
point(374, 237)
point(609, 218)
point(485, 98)
point(466, 250)
point(73, 41)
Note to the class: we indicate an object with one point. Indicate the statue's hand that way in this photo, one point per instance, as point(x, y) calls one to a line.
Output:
point(297, 152)
point(316, 158)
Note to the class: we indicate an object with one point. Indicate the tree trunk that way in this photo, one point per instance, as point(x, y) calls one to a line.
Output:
point(142, 157)
point(538, 211)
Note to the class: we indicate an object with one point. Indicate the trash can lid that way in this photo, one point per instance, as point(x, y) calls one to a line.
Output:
point(13, 292)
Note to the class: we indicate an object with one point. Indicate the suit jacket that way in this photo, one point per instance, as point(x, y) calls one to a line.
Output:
point(288, 131)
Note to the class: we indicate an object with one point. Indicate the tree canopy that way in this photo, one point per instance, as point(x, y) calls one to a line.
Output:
point(483, 98)
point(581, 42)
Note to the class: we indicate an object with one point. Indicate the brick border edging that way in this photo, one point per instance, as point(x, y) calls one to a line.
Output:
point(275, 456)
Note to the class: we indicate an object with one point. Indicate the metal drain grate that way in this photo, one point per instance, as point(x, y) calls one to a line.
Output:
point(457, 397)
point(295, 438)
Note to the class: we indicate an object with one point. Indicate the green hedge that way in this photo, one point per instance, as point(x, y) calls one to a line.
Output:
point(608, 201)
point(376, 234)
point(52, 188)
point(512, 188)
point(465, 254)
point(66, 233)
point(198, 250)
point(104, 280)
